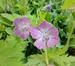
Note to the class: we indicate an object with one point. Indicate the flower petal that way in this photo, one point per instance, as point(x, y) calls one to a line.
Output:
point(45, 25)
point(39, 43)
point(53, 41)
point(20, 20)
point(35, 33)
point(16, 21)
point(26, 20)
point(17, 31)
point(54, 31)
point(25, 35)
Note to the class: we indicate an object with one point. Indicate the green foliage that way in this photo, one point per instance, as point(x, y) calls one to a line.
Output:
point(55, 52)
point(2, 28)
point(55, 56)
point(11, 51)
point(7, 5)
point(14, 6)
point(64, 60)
point(11, 48)
point(35, 60)
point(59, 56)
point(68, 4)
point(48, 17)
point(9, 31)
point(5, 21)
point(22, 6)
point(10, 17)
point(72, 43)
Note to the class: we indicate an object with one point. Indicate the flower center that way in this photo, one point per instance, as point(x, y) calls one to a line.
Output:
point(23, 27)
point(45, 34)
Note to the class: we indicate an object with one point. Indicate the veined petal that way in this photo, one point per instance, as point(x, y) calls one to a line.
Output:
point(22, 27)
point(16, 21)
point(45, 25)
point(53, 41)
point(25, 35)
point(26, 20)
point(54, 32)
point(35, 33)
point(40, 44)
point(17, 31)
point(20, 21)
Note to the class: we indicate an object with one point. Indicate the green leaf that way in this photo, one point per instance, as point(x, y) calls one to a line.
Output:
point(64, 60)
point(33, 20)
point(9, 30)
point(2, 27)
point(72, 43)
point(36, 60)
point(10, 17)
point(11, 52)
point(23, 6)
point(5, 21)
point(48, 17)
point(42, 16)
point(68, 4)
point(7, 5)
point(55, 52)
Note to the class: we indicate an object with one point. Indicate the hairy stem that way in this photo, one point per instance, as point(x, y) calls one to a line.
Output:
point(46, 56)
point(69, 37)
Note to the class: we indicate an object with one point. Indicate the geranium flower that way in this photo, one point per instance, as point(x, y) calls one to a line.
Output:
point(46, 35)
point(22, 27)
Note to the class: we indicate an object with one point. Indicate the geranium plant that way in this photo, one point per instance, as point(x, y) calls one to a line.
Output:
point(37, 32)
point(46, 34)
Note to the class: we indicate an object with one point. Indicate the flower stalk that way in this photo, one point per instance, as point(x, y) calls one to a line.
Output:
point(70, 33)
point(46, 57)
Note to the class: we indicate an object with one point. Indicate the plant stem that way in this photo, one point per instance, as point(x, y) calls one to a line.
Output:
point(46, 56)
point(70, 34)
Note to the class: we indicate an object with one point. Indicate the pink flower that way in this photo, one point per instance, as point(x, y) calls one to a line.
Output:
point(22, 27)
point(46, 35)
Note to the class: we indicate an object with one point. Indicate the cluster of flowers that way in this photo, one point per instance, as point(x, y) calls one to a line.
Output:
point(46, 35)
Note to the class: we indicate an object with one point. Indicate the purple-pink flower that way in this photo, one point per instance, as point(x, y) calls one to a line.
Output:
point(22, 27)
point(46, 35)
